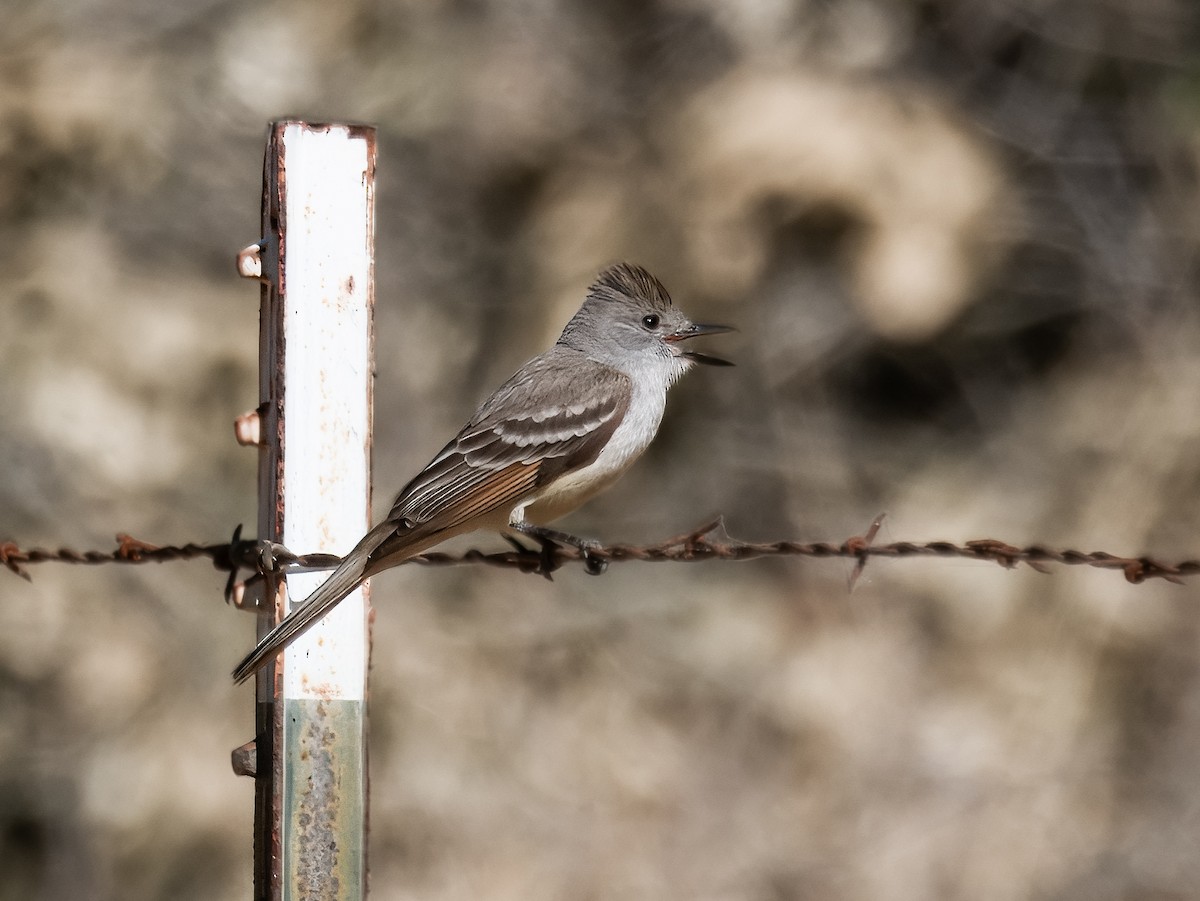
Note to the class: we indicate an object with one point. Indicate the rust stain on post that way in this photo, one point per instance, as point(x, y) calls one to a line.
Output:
point(326, 788)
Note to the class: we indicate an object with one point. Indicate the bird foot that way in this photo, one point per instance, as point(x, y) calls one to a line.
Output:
point(551, 540)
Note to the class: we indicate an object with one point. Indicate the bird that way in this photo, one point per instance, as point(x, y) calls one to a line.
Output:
point(564, 427)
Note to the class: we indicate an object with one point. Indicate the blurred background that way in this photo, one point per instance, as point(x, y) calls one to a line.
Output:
point(959, 238)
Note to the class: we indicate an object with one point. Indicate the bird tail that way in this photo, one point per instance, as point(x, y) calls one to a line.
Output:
point(350, 573)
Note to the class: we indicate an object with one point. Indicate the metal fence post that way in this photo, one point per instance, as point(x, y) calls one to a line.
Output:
point(316, 370)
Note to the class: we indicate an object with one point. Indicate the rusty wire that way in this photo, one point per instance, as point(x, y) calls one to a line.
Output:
point(692, 546)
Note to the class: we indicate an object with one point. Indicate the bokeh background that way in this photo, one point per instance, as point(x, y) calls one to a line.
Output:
point(960, 240)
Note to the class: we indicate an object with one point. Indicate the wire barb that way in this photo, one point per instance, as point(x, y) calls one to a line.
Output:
point(862, 545)
point(690, 547)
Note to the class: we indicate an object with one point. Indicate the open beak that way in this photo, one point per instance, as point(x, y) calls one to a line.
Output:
point(696, 330)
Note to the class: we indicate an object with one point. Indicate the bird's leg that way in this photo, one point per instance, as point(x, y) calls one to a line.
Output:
point(548, 562)
point(551, 538)
point(526, 552)
point(521, 548)
point(517, 546)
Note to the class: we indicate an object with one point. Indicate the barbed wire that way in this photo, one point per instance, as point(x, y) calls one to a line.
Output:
point(689, 547)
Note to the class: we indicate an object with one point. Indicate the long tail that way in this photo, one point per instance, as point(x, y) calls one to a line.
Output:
point(349, 574)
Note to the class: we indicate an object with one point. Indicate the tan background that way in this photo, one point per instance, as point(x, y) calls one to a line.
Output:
point(959, 239)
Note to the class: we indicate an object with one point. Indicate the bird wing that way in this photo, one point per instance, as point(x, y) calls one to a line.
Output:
point(554, 416)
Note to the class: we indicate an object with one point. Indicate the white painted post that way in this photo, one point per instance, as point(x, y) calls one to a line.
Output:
point(315, 490)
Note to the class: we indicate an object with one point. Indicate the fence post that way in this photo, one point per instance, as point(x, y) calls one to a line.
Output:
point(315, 380)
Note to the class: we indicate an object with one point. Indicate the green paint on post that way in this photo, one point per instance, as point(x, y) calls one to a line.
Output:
point(324, 850)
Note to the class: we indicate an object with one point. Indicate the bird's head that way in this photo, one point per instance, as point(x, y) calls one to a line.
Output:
point(629, 322)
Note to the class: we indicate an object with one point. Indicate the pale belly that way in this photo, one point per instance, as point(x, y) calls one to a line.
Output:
point(627, 443)
point(567, 494)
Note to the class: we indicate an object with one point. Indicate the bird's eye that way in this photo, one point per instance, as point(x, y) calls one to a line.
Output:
point(650, 321)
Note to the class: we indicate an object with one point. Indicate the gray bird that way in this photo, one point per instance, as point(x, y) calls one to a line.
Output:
point(563, 428)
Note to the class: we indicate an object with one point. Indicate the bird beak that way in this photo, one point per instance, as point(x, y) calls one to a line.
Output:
point(695, 330)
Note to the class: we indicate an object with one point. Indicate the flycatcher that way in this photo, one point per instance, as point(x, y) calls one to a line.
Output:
point(562, 429)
